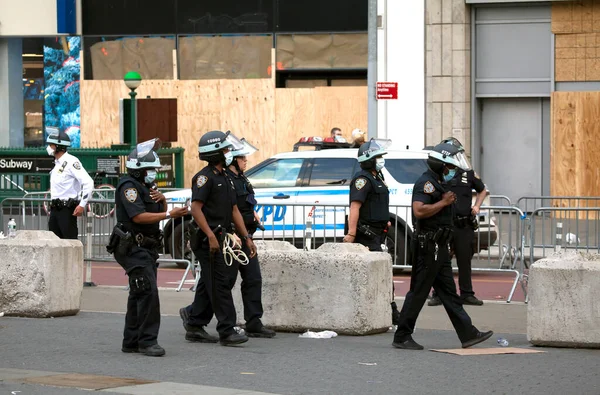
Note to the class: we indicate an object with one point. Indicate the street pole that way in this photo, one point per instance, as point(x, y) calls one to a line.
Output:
point(133, 117)
point(372, 70)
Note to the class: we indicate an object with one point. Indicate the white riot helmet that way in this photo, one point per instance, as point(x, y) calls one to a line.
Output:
point(144, 156)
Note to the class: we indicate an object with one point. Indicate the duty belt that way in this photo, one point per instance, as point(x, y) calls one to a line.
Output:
point(462, 222)
point(148, 242)
point(62, 203)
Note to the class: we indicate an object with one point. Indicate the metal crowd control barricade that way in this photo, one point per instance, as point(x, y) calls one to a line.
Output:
point(569, 228)
point(528, 204)
point(32, 213)
point(308, 225)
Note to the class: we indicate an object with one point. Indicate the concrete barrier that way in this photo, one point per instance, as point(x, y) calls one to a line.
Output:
point(564, 295)
point(339, 287)
point(40, 275)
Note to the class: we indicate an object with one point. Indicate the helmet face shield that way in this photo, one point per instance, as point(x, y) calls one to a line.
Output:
point(375, 147)
point(144, 155)
point(144, 148)
point(463, 161)
point(247, 149)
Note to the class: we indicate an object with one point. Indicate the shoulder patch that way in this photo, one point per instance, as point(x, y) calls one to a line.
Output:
point(131, 194)
point(77, 165)
point(360, 183)
point(428, 188)
point(200, 181)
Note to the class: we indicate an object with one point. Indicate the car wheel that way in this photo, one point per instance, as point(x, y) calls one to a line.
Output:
point(181, 250)
point(396, 245)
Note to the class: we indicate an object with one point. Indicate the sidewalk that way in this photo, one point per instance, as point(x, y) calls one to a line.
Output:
point(89, 344)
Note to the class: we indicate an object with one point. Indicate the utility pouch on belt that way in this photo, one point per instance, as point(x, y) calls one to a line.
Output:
point(474, 222)
point(72, 203)
point(442, 235)
point(120, 240)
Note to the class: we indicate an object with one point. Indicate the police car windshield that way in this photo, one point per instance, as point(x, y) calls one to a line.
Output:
point(406, 171)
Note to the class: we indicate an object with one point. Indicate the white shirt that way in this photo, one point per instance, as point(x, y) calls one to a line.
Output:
point(69, 179)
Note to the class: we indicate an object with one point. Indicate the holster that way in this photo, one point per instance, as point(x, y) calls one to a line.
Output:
point(148, 242)
point(72, 203)
point(120, 241)
point(369, 231)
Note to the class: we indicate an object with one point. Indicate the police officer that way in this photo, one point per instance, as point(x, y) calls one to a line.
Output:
point(214, 208)
point(135, 243)
point(465, 223)
point(369, 215)
point(432, 213)
point(70, 187)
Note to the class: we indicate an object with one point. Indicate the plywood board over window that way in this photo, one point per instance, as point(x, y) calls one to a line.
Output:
point(322, 51)
point(575, 164)
point(152, 57)
point(232, 57)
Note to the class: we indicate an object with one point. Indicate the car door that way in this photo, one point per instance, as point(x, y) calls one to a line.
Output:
point(275, 183)
point(326, 183)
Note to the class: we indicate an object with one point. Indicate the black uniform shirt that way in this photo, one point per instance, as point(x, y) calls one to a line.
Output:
point(215, 189)
point(133, 198)
point(429, 190)
point(244, 196)
point(373, 193)
point(462, 185)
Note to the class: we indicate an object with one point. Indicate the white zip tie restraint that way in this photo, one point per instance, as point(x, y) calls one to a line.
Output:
point(233, 250)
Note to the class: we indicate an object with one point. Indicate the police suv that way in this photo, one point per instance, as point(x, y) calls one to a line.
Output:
point(303, 198)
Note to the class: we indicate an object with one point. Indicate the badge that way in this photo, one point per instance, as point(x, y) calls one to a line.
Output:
point(77, 165)
point(200, 181)
point(131, 194)
point(360, 183)
point(429, 188)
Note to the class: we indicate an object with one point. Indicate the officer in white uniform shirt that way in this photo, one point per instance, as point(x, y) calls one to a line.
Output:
point(70, 187)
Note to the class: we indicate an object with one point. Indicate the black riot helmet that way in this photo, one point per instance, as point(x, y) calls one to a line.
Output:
point(211, 145)
point(240, 147)
point(441, 155)
point(58, 137)
point(461, 155)
point(369, 151)
point(143, 157)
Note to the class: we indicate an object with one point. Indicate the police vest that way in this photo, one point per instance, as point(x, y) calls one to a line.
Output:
point(150, 205)
point(444, 217)
point(376, 209)
point(245, 196)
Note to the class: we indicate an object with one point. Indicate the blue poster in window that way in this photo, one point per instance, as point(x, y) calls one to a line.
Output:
point(61, 91)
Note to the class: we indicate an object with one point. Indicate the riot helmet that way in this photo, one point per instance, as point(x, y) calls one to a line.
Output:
point(442, 156)
point(370, 151)
point(211, 146)
point(240, 148)
point(143, 159)
point(461, 155)
point(59, 138)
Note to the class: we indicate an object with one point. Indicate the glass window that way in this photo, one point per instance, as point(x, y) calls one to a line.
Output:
point(280, 173)
point(224, 16)
point(406, 171)
point(332, 171)
point(224, 57)
point(109, 58)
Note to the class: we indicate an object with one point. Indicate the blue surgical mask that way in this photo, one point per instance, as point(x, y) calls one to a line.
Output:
point(150, 176)
point(450, 175)
point(228, 158)
point(379, 164)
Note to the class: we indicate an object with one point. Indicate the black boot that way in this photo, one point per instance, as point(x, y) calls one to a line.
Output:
point(395, 314)
point(152, 351)
point(199, 335)
point(260, 332)
point(408, 344)
point(479, 337)
point(233, 339)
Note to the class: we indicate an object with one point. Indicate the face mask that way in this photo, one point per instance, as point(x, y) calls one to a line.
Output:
point(450, 175)
point(379, 164)
point(50, 151)
point(228, 158)
point(150, 176)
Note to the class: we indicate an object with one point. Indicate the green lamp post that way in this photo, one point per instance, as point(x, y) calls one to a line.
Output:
point(132, 80)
